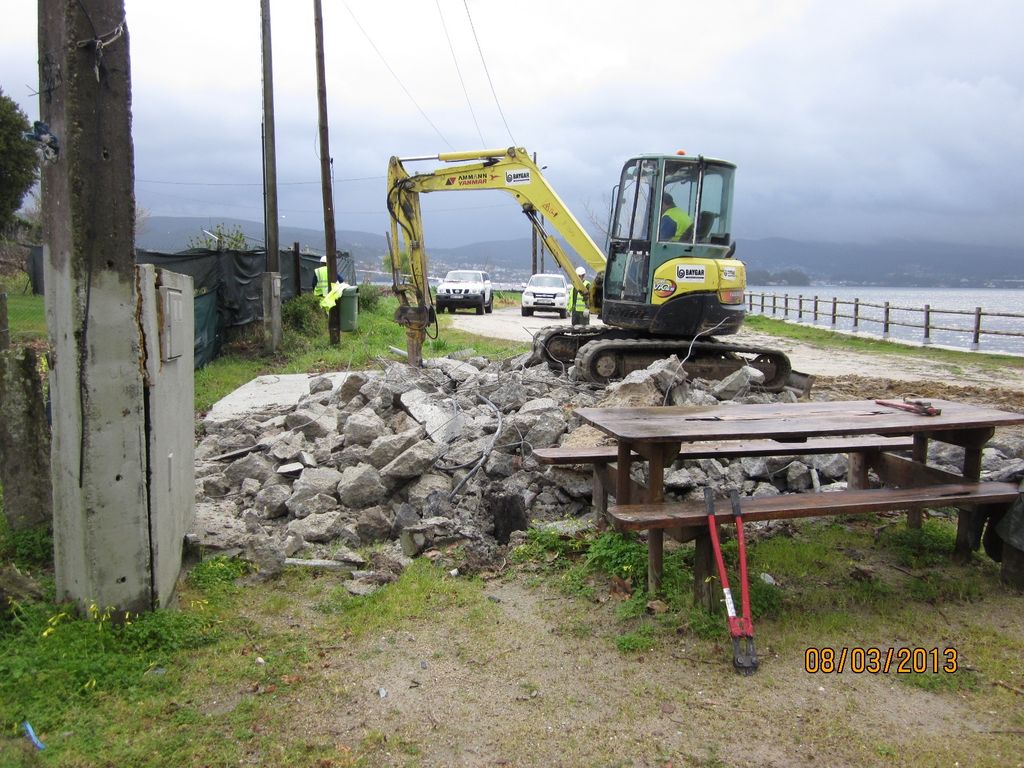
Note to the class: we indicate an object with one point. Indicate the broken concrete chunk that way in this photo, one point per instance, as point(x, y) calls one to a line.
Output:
point(317, 480)
point(320, 384)
point(306, 503)
point(440, 417)
point(348, 388)
point(363, 427)
point(374, 524)
point(252, 465)
point(419, 490)
point(413, 462)
point(386, 448)
point(313, 423)
point(360, 487)
point(349, 556)
point(431, 531)
point(270, 501)
point(737, 383)
point(319, 527)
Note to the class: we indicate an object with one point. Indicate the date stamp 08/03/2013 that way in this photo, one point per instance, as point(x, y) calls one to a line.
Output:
point(873, 660)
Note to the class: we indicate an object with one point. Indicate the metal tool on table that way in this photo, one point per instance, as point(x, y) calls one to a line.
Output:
point(920, 407)
point(741, 628)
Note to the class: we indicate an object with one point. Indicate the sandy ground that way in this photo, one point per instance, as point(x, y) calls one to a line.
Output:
point(821, 362)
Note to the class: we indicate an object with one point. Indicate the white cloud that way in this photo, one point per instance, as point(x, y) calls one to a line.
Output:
point(852, 121)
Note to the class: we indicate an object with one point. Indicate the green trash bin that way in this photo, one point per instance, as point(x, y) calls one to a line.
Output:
point(348, 308)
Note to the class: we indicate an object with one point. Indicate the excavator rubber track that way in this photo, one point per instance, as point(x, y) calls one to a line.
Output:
point(603, 354)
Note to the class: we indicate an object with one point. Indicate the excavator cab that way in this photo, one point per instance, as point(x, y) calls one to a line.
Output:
point(670, 269)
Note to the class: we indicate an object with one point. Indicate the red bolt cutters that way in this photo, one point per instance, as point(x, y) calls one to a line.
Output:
point(920, 407)
point(741, 628)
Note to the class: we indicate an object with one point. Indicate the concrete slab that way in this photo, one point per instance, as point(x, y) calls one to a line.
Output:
point(281, 390)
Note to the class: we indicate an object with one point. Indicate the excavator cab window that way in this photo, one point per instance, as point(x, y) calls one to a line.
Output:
point(626, 275)
point(702, 185)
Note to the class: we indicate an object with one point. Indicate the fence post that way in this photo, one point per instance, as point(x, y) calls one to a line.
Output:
point(977, 328)
point(5, 329)
point(885, 321)
point(815, 309)
point(833, 311)
point(762, 302)
point(298, 268)
point(785, 306)
point(927, 324)
point(800, 308)
point(774, 297)
point(856, 313)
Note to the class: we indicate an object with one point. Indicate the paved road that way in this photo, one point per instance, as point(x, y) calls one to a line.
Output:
point(506, 323)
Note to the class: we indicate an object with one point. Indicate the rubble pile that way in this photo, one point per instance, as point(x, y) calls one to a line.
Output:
point(419, 457)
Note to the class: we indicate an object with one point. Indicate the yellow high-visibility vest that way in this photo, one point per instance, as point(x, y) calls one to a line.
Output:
point(579, 303)
point(682, 220)
point(321, 281)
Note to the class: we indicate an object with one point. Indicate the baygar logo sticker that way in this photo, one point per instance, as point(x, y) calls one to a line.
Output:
point(517, 177)
point(690, 274)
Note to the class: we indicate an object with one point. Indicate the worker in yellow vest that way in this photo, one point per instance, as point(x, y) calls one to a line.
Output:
point(320, 283)
point(675, 222)
point(580, 310)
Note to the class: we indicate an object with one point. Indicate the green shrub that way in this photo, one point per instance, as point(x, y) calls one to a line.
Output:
point(369, 297)
point(304, 315)
point(618, 555)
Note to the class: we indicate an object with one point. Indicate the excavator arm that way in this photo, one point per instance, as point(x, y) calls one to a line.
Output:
point(510, 170)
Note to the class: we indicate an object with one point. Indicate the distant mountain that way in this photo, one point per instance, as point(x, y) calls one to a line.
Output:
point(892, 262)
point(889, 263)
point(507, 260)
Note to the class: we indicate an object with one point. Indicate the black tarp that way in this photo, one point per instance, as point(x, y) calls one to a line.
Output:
point(228, 286)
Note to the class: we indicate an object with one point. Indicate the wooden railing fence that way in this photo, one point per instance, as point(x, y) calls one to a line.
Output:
point(835, 309)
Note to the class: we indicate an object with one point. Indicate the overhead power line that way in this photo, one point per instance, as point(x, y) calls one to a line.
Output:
point(463, 82)
point(487, 72)
point(250, 183)
point(397, 78)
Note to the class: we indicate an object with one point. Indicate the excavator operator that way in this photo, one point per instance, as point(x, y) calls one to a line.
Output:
point(674, 221)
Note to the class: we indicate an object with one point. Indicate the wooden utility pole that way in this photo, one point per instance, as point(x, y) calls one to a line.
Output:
point(330, 235)
point(536, 238)
point(269, 145)
point(101, 527)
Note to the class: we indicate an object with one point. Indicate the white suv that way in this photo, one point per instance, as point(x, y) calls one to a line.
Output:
point(468, 288)
point(546, 293)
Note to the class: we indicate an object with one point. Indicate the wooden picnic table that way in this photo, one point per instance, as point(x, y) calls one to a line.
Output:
point(657, 434)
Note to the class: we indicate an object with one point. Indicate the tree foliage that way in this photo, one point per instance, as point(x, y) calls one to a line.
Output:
point(220, 238)
point(18, 162)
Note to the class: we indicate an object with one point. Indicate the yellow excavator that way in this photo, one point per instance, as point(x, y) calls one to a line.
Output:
point(669, 283)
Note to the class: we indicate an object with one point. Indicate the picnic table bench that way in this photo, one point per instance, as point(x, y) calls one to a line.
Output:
point(601, 457)
point(659, 435)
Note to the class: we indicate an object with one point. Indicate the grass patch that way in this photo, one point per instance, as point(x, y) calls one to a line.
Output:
point(423, 590)
point(925, 546)
point(841, 341)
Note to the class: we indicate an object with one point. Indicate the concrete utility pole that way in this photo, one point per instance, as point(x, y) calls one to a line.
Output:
point(330, 235)
point(101, 527)
point(272, 277)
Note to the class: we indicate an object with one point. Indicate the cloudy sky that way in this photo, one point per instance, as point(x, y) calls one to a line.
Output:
point(848, 121)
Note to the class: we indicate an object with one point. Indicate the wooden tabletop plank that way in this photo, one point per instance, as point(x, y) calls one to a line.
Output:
point(786, 421)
